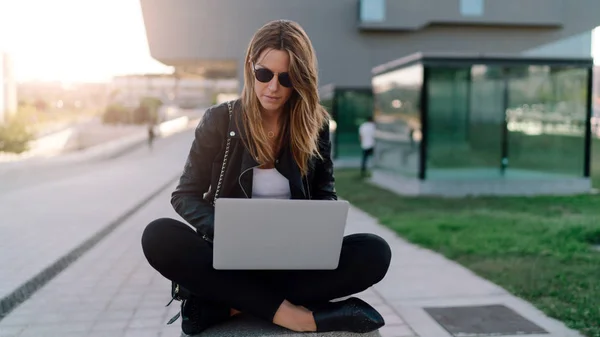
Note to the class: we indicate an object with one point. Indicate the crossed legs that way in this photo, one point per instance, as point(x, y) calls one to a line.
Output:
point(180, 255)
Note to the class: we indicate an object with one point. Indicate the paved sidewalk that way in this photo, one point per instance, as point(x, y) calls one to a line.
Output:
point(45, 219)
point(112, 291)
point(109, 291)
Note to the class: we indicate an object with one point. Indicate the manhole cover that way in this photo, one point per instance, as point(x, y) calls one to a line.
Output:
point(487, 320)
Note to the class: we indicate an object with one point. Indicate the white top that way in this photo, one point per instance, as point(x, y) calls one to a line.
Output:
point(367, 135)
point(270, 184)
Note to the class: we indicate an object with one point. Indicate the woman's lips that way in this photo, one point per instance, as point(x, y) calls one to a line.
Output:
point(271, 98)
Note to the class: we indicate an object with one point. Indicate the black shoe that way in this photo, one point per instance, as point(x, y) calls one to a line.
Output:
point(197, 316)
point(351, 315)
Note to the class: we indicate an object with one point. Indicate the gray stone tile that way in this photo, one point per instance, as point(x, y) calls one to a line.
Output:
point(141, 291)
point(150, 313)
point(391, 318)
point(14, 319)
point(111, 333)
point(122, 315)
point(128, 293)
point(25, 309)
point(154, 303)
point(139, 323)
point(122, 305)
point(421, 323)
point(98, 298)
point(396, 331)
point(51, 317)
point(84, 315)
point(10, 331)
point(152, 332)
point(370, 296)
point(171, 332)
point(110, 325)
point(163, 295)
point(422, 282)
point(57, 329)
point(33, 333)
point(66, 327)
point(384, 309)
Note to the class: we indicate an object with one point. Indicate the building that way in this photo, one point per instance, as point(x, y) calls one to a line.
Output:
point(468, 124)
point(352, 37)
point(185, 90)
point(209, 37)
point(8, 88)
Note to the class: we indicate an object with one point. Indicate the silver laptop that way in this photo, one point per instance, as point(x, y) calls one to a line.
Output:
point(276, 234)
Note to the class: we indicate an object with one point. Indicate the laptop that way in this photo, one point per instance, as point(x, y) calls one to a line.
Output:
point(278, 234)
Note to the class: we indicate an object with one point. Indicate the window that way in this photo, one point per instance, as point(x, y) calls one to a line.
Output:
point(471, 7)
point(372, 10)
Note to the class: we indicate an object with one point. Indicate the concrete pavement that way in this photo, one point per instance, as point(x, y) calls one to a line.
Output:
point(108, 289)
point(43, 221)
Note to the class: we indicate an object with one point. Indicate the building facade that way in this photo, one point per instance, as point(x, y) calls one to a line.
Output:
point(210, 37)
point(468, 124)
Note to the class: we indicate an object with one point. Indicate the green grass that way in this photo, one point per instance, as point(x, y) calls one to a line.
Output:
point(538, 248)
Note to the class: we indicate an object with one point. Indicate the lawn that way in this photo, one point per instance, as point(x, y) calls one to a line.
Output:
point(539, 248)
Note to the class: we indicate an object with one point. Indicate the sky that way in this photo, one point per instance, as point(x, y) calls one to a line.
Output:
point(84, 40)
point(75, 40)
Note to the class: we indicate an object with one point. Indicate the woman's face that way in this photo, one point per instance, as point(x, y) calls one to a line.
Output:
point(270, 70)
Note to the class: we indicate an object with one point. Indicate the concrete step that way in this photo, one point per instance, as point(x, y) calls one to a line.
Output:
point(248, 326)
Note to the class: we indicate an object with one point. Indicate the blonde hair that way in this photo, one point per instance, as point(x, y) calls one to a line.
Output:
point(303, 115)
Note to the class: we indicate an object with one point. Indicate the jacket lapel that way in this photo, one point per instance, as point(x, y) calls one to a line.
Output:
point(247, 163)
point(286, 165)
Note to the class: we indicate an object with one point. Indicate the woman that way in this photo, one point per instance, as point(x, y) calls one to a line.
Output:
point(272, 143)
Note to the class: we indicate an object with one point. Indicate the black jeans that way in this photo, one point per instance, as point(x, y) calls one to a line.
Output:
point(178, 253)
point(366, 154)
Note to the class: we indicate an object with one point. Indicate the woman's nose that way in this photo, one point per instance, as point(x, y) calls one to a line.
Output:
point(274, 83)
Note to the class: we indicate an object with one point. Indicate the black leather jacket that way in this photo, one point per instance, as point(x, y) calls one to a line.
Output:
point(193, 199)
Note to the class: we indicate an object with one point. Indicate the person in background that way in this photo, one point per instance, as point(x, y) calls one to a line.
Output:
point(151, 135)
point(366, 133)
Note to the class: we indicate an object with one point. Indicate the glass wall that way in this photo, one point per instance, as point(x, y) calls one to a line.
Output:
point(466, 122)
point(517, 122)
point(546, 118)
point(352, 108)
point(397, 97)
point(348, 107)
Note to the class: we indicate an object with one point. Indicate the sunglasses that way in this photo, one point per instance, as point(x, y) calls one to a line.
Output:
point(265, 75)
